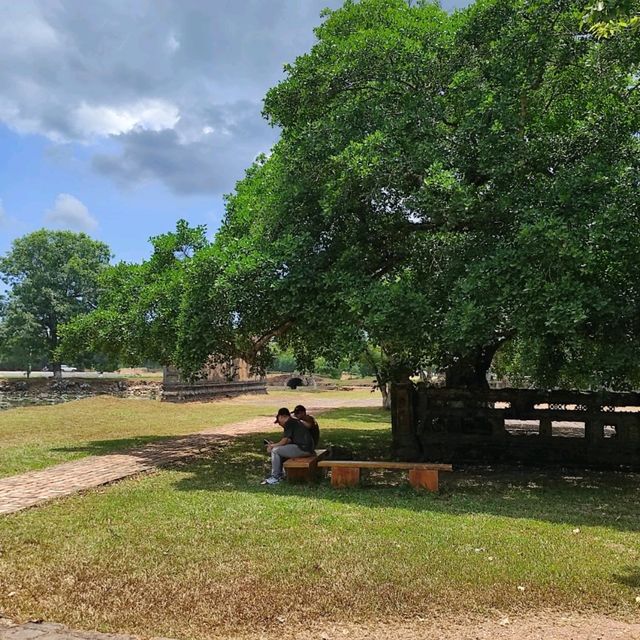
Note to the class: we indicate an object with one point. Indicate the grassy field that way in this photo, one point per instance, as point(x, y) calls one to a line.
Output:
point(202, 550)
point(38, 437)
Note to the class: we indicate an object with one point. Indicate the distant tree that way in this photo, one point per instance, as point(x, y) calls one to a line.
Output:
point(21, 344)
point(52, 278)
point(139, 310)
point(283, 360)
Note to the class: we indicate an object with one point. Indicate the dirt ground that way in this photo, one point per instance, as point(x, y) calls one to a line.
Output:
point(539, 626)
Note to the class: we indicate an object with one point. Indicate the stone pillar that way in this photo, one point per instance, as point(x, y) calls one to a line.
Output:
point(546, 428)
point(406, 445)
point(594, 431)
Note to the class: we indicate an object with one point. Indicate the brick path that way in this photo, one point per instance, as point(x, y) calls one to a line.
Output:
point(28, 489)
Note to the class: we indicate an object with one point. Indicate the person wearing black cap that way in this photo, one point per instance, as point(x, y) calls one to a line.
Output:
point(296, 442)
point(308, 421)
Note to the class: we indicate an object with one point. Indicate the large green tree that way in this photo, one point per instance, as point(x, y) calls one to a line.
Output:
point(444, 186)
point(607, 18)
point(483, 170)
point(52, 278)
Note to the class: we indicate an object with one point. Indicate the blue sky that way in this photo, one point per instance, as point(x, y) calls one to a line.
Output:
point(118, 118)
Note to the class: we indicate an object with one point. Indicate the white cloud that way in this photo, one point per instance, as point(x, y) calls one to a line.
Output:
point(173, 44)
point(150, 115)
point(187, 159)
point(35, 34)
point(3, 215)
point(105, 73)
point(70, 213)
point(79, 71)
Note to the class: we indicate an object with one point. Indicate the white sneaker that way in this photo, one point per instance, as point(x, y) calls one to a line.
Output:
point(271, 480)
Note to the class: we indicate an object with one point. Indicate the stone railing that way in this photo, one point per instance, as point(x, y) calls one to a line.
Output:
point(527, 425)
point(207, 389)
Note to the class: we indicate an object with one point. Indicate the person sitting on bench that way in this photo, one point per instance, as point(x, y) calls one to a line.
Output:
point(310, 422)
point(296, 442)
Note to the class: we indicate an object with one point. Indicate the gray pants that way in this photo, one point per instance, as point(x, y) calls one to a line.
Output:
point(281, 453)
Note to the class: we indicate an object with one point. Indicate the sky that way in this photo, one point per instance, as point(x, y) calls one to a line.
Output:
point(119, 117)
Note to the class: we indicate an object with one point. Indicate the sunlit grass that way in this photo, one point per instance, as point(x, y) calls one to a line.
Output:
point(37, 437)
point(202, 550)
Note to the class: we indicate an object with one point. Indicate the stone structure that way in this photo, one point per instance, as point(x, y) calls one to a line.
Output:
point(598, 429)
point(49, 391)
point(217, 380)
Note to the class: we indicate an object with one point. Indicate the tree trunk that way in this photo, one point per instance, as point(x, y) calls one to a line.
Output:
point(470, 372)
point(386, 396)
point(53, 345)
point(381, 380)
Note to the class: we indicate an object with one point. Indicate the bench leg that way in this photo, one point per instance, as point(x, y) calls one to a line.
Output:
point(299, 475)
point(303, 474)
point(341, 477)
point(424, 479)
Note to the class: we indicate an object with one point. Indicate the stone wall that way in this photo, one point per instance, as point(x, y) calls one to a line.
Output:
point(216, 382)
point(47, 391)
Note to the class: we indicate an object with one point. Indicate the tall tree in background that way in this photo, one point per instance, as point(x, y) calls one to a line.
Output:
point(52, 278)
point(139, 311)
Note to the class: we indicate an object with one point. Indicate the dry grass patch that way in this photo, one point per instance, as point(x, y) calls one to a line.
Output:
point(202, 550)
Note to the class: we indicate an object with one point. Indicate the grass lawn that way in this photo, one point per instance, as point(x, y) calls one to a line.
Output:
point(202, 550)
point(37, 437)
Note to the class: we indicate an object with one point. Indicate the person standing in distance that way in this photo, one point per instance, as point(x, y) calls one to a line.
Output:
point(296, 442)
point(310, 422)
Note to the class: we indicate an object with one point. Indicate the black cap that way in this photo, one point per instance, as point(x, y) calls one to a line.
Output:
point(299, 409)
point(282, 412)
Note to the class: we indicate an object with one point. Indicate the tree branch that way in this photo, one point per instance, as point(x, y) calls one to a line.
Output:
point(262, 342)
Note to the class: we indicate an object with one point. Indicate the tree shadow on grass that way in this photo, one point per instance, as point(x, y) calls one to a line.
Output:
point(220, 463)
point(587, 498)
point(376, 415)
point(631, 577)
point(144, 447)
point(120, 445)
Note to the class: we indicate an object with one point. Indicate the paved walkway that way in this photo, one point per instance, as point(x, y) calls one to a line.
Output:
point(29, 489)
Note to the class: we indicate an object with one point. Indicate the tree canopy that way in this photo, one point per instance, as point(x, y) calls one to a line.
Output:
point(52, 278)
point(445, 185)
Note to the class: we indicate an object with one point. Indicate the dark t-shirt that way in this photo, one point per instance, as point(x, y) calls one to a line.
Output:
point(298, 434)
point(312, 425)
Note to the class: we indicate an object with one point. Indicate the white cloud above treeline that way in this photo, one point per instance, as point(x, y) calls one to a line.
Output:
point(157, 90)
point(70, 213)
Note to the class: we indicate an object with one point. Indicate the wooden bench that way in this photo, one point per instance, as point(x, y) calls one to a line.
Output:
point(306, 468)
point(346, 473)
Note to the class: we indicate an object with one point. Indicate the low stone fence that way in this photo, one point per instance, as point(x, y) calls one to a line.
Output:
point(47, 391)
point(208, 390)
point(599, 429)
